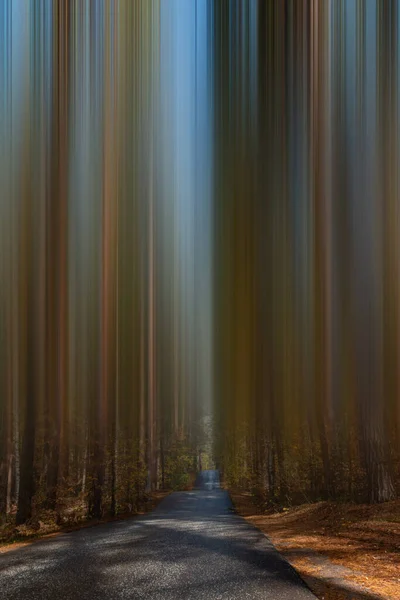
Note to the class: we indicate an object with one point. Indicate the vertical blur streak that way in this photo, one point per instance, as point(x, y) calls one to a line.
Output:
point(199, 250)
point(105, 306)
point(306, 250)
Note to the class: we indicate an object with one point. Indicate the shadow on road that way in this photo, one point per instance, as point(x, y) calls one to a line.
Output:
point(191, 547)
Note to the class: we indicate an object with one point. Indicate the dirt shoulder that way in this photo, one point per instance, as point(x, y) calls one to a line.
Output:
point(12, 537)
point(342, 551)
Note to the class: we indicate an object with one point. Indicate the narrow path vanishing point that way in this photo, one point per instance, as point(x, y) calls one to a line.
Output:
point(191, 547)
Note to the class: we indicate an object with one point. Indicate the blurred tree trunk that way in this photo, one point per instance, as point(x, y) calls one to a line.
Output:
point(8, 434)
point(271, 471)
point(84, 466)
point(162, 460)
point(27, 466)
point(113, 506)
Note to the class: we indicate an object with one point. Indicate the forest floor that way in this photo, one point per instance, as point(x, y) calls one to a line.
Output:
point(12, 537)
point(342, 551)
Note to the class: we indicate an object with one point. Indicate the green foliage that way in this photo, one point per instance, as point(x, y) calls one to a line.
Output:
point(179, 460)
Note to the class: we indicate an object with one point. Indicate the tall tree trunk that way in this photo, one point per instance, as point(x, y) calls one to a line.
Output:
point(27, 483)
point(84, 466)
point(271, 471)
point(17, 462)
point(162, 461)
point(9, 484)
point(113, 478)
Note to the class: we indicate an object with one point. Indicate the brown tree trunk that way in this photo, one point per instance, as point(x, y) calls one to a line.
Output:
point(27, 482)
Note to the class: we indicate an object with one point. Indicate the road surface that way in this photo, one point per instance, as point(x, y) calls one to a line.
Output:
point(191, 547)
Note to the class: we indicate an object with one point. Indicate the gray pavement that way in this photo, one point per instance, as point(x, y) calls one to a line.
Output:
point(191, 547)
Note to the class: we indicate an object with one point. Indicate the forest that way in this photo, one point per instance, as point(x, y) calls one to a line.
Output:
point(306, 274)
point(210, 285)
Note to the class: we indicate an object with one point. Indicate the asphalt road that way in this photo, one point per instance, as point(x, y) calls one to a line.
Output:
point(191, 547)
